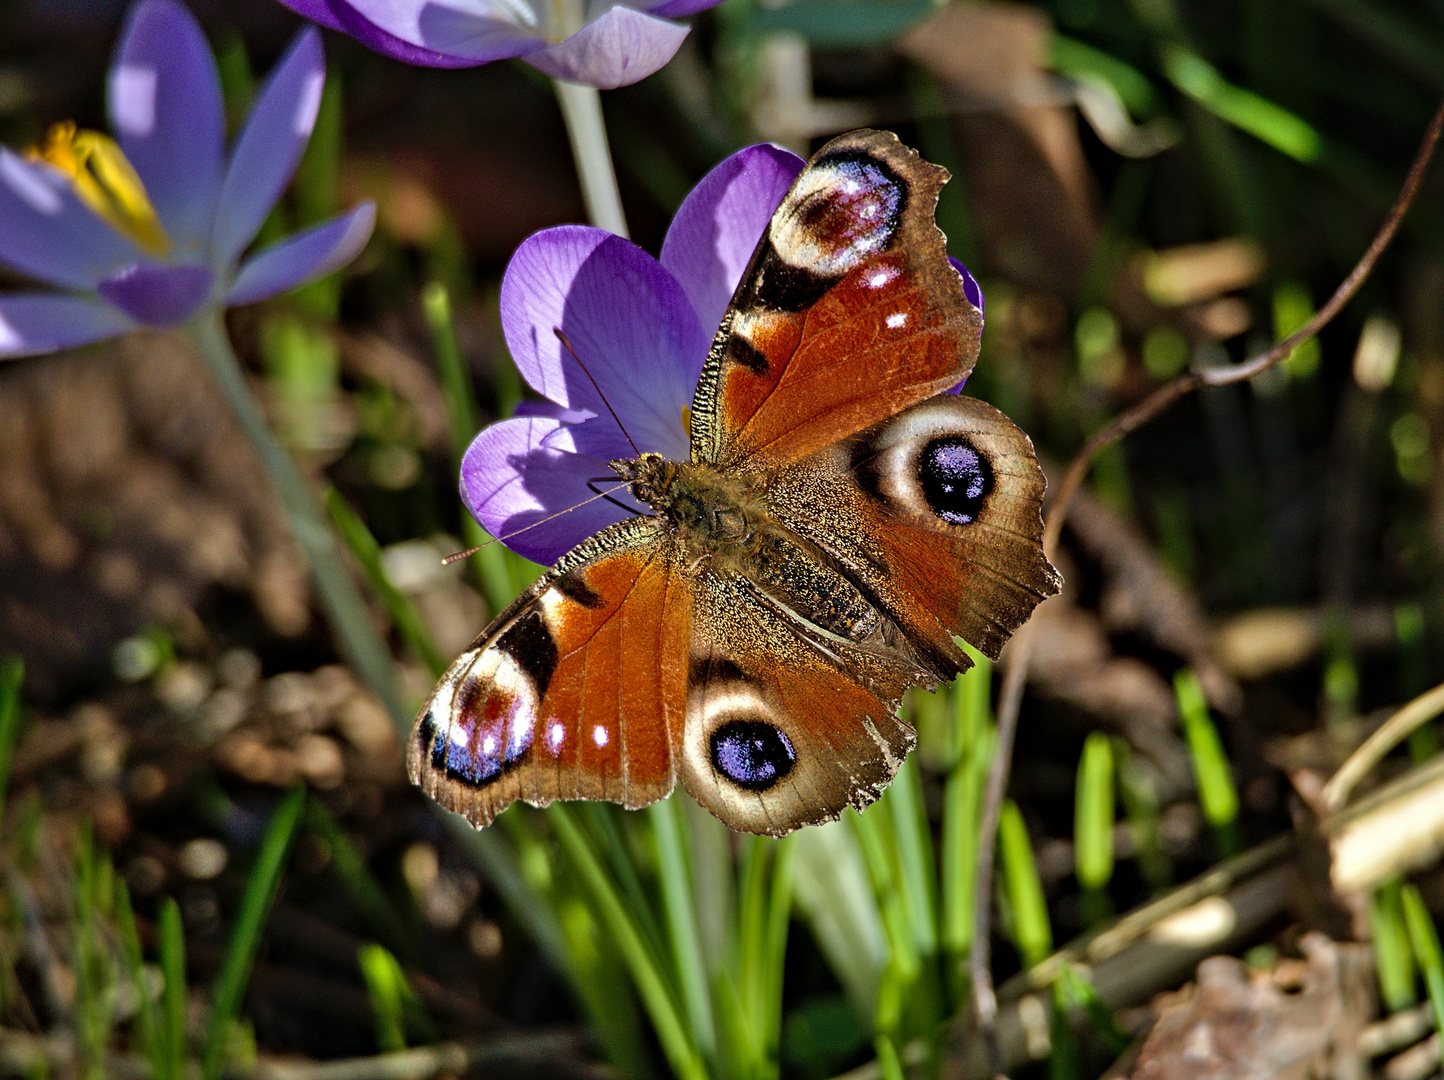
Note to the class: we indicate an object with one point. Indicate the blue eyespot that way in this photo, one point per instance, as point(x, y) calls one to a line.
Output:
point(752, 754)
point(955, 479)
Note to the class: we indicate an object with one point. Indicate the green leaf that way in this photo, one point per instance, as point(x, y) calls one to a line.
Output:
point(489, 564)
point(12, 677)
point(843, 24)
point(1389, 936)
point(1023, 889)
point(1071, 57)
point(1093, 813)
point(1245, 110)
point(1216, 791)
point(261, 888)
point(674, 870)
point(398, 605)
point(174, 1013)
point(1424, 939)
point(658, 997)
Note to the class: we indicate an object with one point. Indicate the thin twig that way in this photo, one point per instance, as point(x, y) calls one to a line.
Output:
point(985, 1002)
point(556, 1051)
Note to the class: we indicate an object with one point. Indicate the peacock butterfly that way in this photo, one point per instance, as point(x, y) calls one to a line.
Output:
point(840, 521)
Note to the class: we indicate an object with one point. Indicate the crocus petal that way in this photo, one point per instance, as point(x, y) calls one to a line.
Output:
point(429, 34)
point(268, 149)
point(631, 326)
point(717, 227)
point(158, 295)
point(618, 49)
point(34, 323)
point(677, 9)
point(973, 291)
point(510, 480)
point(165, 107)
point(304, 257)
point(49, 234)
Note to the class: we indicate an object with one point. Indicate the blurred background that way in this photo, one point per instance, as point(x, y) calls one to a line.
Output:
point(209, 847)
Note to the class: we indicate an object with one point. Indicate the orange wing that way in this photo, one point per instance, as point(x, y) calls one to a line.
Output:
point(848, 313)
point(574, 692)
point(779, 733)
point(936, 512)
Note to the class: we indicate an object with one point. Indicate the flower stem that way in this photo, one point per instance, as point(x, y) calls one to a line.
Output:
point(582, 111)
point(350, 619)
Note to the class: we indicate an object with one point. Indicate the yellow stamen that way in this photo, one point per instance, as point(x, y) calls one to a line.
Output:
point(105, 181)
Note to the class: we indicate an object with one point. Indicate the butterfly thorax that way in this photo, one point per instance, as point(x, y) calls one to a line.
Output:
point(716, 514)
point(723, 527)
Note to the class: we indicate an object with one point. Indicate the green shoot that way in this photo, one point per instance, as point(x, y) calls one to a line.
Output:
point(1022, 888)
point(12, 676)
point(240, 955)
point(1393, 960)
point(1093, 824)
point(399, 606)
point(1424, 939)
point(173, 1029)
point(1216, 791)
point(395, 1008)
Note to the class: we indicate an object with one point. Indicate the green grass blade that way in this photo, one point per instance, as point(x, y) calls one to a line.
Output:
point(171, 945)
point(360, 884)
point(1393, 960)
point(1093, 813)
point(674, 871)
point(1245, 110)
point(383, 978)
point(1140, 803)
point(1023, 889)
point(913, 846)
point(489, 565)
point(1216, 792)
point(779, 915)
point(261, 888)
point(962, 807)
point(834, 893)
point(147, 1019)
point(12, 677)
point(657, 996)
point(601, 821)
point(403, 612)
point(1424, 939)
point(889, 1064)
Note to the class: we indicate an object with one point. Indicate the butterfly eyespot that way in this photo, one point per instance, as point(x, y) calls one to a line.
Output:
point(752, 754)
point(955, 479)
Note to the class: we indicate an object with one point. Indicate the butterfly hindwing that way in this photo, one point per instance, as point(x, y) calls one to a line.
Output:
point(781, 731)
point(574, 692)
point(848, 312)
point(935, 512)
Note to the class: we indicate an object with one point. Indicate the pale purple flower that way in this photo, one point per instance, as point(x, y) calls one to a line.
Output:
point(198, 208)
point(641, 326)
point(599, 43)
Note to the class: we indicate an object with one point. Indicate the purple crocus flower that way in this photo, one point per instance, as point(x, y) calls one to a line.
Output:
point(641, 326)
point(148, 230)
point(598, 43)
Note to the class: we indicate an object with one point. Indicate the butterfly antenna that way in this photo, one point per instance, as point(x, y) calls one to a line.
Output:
point(562, 337)
point(472, 551)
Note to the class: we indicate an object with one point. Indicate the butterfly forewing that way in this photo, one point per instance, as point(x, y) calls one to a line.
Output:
point(575, 692)
point(848, 313)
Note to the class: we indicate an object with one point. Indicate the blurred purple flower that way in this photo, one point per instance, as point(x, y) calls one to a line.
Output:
point(598, 43)
point(149, 229)
point(641, 326)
